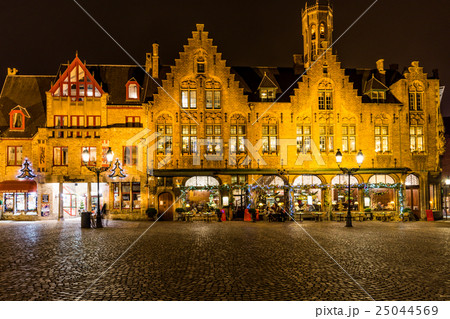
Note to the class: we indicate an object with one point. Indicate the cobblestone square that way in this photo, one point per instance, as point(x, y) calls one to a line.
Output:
point(50, 260)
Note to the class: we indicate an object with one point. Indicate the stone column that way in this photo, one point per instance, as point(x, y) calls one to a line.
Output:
point(89, 199)
point(61, 202)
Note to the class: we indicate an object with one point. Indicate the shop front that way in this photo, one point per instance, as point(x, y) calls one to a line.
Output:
point(339, 193)
point(381, 194)
point(18, 198)
point(308, 194)
point(269, 192)
point(202, 193)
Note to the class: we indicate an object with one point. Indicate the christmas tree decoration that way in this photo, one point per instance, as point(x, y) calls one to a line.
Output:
point(117, 170)
point(26, 170)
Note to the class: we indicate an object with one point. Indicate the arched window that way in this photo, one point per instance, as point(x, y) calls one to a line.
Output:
point(342, 179)
point(325, 95)
point(200, 181)
point(189, 94)
point(412, 180)
point(416, 91)
point(165, 132)
point(17, 120)
point(322, 30)
point(307, 180)
point(381, 178)
point(212, 94)
point(132, 90)
point(270, 180)
point(269, 135)
point(238, 133)
point(213, 133)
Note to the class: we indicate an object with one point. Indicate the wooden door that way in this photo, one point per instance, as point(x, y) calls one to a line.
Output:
point(165, 204)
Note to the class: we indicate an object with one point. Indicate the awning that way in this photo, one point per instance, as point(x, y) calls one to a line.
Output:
point(18, 187)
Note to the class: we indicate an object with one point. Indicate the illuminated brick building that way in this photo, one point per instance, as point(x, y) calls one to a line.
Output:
point(222, 131)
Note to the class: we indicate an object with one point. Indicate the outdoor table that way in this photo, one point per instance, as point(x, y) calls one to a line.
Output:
point(208, 216)
point(300, 215)
point(188, 217)
point(405, 216)
point(340, 216)
point(358, 215)
point(318, 217)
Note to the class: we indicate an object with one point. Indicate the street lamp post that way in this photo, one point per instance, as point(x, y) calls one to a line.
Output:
point(349, 172)
point(98, 170)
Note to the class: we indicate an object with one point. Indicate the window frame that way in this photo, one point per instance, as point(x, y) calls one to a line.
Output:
point(237, 137)
point(416, 138)
point(61, 148)
point(382, 137)
point(192, 139)
point(327, 138)
point(11, 120)
point(90, 148)
point(191, 96)
point(269, 136)
point(164, 138)
point(133, 122)
point(303, 139)
point(15, 147)
point(214, 139)
point(128, 96)
point(348, 136)
point(133, 155)
point(325, 100)
point(95, 117)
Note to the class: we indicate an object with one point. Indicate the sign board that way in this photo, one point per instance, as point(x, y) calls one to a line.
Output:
point(430, 216)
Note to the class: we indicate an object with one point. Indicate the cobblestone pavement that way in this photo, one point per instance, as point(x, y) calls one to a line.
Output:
point(50, 260)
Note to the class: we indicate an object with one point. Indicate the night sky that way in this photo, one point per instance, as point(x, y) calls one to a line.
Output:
point(36, 36)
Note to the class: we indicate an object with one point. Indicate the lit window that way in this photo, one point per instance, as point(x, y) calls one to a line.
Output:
point(322, 31)
point(416, 138)
point(76, 83)
point(326, 138)
point(212, 99)
point(381, 138)
point(213, 139)
point(303, 138)
point(133, 121)
point(269, 137)
point(93, 121)
point(313, 32)
point(267, 95)
point(164, 142)
point(348, 138)
point(60, 121)
point(133, 93)
point(416, 91)
point(130, 155)
point(189, 99)
point(189, 139)
point(325, 100)
point(77, 121)
point(14, 155)
point(60, 156)
point(92, 155)
point(17, 119)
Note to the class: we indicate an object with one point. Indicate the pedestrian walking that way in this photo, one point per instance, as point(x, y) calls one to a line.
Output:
point(104, 214)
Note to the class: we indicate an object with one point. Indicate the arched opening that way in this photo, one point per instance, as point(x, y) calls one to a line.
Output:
point(203, 194)
point(270, 193)
point(307, 195)
point(412, 194)
point(339, 193)
point(380, 198)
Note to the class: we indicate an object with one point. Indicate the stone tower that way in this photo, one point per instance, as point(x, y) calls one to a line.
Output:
point(317, 29)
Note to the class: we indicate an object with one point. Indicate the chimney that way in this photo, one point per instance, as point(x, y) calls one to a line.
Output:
point(380, 66)
point(148, 62)
point(155, 61)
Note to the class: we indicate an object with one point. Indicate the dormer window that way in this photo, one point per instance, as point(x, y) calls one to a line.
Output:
point(17, 118)
point(77, 83)
point(267, 95)
point(132, 88)
point(376, 90)
point(267, 89)
point(377, 95)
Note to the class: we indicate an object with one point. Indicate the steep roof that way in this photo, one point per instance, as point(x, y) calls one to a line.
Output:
point(28, 92)
point(251, 78)
point(113, 79)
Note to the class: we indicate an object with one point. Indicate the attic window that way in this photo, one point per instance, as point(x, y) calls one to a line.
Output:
point(377, 95)
point(267, 95)
point(200, 67)
point(132, 90)
point(17, 120)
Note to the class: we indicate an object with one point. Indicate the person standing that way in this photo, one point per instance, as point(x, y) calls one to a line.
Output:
point(104, 214)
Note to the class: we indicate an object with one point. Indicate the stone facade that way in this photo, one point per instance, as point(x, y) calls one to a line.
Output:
point(381, 105)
